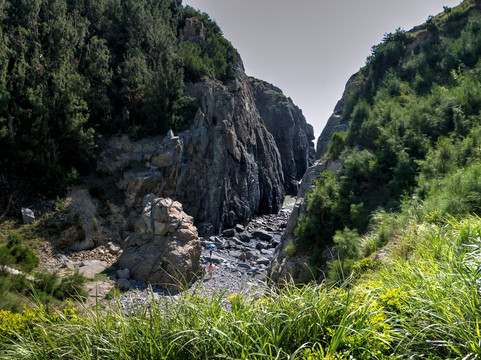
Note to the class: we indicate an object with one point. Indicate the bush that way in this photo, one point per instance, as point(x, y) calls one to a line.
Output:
point(17, 255)
point(336, 145)
point(347, 243)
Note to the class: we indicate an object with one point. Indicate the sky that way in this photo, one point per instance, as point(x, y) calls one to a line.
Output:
point(310, 48)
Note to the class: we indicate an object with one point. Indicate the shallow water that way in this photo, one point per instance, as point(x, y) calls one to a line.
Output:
point(289, 202)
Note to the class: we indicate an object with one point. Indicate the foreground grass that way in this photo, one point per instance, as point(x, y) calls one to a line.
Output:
point(423, 302)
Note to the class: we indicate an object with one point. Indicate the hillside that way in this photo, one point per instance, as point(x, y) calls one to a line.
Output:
point(407, 129)
point(74, 75)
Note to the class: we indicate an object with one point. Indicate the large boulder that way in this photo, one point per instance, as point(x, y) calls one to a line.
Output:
point(28, 216)
point(165, 248)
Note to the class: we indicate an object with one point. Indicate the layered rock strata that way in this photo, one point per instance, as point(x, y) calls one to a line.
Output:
point(293, 135)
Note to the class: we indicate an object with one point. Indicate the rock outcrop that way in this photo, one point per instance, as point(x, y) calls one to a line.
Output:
point(335, 123)
point(293, 135)
point(285, 267)
point(224, 169)
point(165, 248)
point(195, 31)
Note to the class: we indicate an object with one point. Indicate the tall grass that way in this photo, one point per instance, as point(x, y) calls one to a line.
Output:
point(422, 302)
point(272, 325)
point(432, 291)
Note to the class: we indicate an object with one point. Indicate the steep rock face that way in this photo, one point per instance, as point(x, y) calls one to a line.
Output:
point(335, 124)
point(165, 248)
point(224, 169)
point(293, 135)
point(285, 267)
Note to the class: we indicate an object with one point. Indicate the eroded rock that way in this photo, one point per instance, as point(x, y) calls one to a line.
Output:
point(165, 248)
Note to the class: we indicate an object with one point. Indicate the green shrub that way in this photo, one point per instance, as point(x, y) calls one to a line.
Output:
point(17, 255)
point(347, 242)
point(336, 145)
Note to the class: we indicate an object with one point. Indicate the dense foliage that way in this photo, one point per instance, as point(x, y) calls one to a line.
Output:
point(71, 70)
point(414, 124)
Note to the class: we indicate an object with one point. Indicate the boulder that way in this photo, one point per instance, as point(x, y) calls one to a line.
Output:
point(261, 246)
point(245, 237)
point(28, 216)
point(239, 228)
point(123, 274)
point(123, 284)
point(86, 244)
point(261, 234)
point(90, 268)
point(228, 233)
point(165, 248)
point(263, 261)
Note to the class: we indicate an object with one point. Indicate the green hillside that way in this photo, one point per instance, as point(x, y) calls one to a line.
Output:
point(414, 114)
point(73, 70)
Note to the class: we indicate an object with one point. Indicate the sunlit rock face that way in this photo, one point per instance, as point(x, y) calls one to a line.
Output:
point(165, 248)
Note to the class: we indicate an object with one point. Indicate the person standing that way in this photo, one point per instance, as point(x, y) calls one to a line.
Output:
point(210, 270)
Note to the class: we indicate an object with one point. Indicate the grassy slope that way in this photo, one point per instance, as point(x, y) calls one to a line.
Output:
point(420, 301)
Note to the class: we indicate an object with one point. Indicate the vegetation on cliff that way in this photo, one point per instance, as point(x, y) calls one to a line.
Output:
point(73, 70)
point(414, 126)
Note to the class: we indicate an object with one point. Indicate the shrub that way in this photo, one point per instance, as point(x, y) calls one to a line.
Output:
point(290, 248)
point(15, 254)
point(347, 243)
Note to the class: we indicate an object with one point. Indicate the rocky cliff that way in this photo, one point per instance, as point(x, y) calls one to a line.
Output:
point(293, 135)
point(294, 265)
point(223, 169)
point(335, 123)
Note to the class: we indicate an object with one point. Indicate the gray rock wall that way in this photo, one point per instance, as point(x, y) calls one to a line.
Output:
point(293, 135)
point(224, 169)
point(334, 123)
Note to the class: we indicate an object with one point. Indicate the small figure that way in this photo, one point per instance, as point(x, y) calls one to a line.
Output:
point(244, 257)
point(210, 270)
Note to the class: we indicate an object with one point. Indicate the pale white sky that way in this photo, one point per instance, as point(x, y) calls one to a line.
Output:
point(310, 48)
